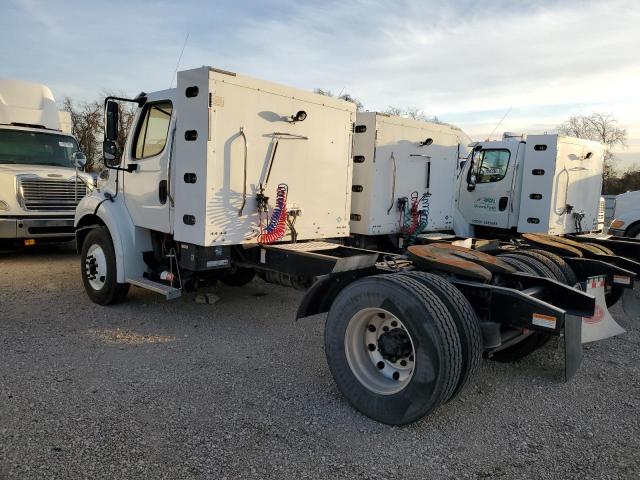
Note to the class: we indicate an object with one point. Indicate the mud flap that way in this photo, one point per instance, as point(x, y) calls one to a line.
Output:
point(601, 325)
point(572, 345)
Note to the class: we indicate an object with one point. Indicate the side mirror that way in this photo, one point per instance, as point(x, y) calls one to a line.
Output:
point(110, 153)
point(112, 114)
point(79, 160)
point(471, 185)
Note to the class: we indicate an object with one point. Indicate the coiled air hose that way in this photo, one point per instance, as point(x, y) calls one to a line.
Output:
point(415, 220)
point(277, 226)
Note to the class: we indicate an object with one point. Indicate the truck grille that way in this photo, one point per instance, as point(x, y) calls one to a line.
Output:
point(50, 195)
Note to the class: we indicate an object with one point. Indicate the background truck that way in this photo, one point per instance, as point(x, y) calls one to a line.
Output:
point(626, 216)
point(531, 184)
point(39, 181)
point(534, 201)
point(227, 175)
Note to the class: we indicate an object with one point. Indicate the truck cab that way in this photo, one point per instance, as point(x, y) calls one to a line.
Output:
point(626, 221)
point(530, 184)
point(40, 182)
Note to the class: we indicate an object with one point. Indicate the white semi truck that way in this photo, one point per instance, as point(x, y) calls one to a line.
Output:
point(40, 185)
point(626, 213)
point(226, 175)
point(522, 184)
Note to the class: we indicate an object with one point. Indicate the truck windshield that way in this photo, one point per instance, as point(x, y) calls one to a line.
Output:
point(36, 148)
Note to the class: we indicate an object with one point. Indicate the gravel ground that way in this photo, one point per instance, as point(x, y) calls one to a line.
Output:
point(152, 389)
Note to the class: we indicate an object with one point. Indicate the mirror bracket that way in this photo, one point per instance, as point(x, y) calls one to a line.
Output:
point(129, 168)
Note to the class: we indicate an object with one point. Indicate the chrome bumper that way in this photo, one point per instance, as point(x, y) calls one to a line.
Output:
point(19, 228)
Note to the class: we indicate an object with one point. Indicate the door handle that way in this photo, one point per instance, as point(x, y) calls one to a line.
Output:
point(162, 192)
point(502, 203)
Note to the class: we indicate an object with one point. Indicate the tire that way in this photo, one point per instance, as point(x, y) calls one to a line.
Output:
point(98, 268)
point(633, 232)
point(467, 323)
point(602, 248)
point(521, 349)
point(562, 264)
point(535, 340)
point(615, 293)
point(238, 276)
point(557, 273)
point(537, 266)
point(518, 264)
point(428, 380)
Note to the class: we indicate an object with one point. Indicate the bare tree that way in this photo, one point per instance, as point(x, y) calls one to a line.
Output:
point(600, 127)
point(87, 126)
point(347, 97)
point(411, 112)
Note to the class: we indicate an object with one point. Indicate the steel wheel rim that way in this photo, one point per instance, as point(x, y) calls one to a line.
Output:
point(95, 267)
point(370, 334)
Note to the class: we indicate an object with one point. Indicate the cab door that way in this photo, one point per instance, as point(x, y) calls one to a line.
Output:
point(148, 151)
point(486, 188)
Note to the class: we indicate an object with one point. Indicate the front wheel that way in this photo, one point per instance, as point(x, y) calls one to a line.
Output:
point(392, 348)
point(98, 268)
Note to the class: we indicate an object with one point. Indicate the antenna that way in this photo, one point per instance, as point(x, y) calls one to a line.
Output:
point(499, 123)
point(179, 58)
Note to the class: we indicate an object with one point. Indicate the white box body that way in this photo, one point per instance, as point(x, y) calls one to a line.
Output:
point(560, 170)
point(375, 208)
point(317, 169)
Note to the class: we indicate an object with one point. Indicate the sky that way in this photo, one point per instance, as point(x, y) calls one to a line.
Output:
point(468, 62)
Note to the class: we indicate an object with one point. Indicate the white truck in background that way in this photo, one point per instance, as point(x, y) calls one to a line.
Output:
point(546, 183)
point(40, 182)
point(626, 215)
point(542, 184)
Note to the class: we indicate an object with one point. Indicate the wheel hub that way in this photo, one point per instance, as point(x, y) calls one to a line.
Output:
point(394, 345)
point(380, 351)
point(95, 267)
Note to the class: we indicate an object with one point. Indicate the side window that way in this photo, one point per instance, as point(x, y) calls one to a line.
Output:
point(491, 165)
point(152, 130)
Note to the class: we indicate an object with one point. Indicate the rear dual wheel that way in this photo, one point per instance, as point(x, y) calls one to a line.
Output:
point(568, 272)
point(394, 349)
point(238, 276)
point(529, 262)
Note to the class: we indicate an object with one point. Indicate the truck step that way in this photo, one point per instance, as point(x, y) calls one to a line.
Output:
point(169, 292)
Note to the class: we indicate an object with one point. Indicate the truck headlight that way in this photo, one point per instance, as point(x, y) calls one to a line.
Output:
point(617, 223)
point(4, 206)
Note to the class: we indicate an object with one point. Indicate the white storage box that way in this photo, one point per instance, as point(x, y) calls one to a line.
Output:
point(561, 185)
point(396, 157)
point(313, 158)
